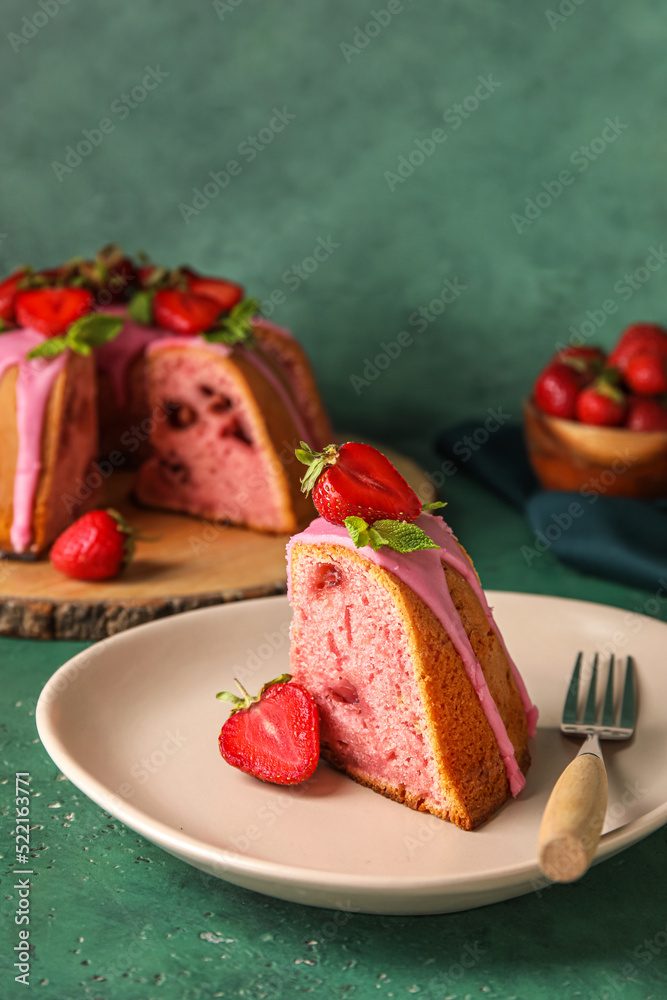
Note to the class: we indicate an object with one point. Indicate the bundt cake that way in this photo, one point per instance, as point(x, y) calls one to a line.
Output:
point(185, 378)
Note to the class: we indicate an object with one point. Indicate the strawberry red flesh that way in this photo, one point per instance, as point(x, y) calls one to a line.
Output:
point(8, 293)
point(361, 482)
point(277, 738)
point(52, 310)
point(184, 312)
point(225, 293)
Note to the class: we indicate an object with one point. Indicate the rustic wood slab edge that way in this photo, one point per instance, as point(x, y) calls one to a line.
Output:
point(94, 620)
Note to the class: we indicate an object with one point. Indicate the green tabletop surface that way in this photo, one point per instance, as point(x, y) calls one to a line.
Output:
point(112, 917)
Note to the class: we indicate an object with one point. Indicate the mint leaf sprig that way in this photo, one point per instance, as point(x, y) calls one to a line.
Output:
point(87, 332)
point(236, 327)
point(140, 307)
point(401, 536)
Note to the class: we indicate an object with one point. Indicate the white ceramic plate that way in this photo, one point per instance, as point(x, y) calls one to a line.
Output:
point(133, 722)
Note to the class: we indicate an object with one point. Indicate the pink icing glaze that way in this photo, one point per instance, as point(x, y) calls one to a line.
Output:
point(249, 355)
point(33, 387)
point(422, 572)
point(115, 358)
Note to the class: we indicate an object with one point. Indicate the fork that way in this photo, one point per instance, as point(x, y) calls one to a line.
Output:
point(574, 815)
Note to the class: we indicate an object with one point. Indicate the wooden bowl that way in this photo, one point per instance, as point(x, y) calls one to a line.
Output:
point(567, 455)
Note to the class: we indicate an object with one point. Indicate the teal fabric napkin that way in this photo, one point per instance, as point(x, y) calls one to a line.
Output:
point(616, 538)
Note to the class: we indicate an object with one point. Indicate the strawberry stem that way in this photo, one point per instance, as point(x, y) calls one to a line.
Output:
point(238, 704)
point(316, 461)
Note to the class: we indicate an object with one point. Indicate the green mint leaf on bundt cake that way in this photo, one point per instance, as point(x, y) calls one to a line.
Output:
point(236, 328)
point(140, 307)
point(83, 335)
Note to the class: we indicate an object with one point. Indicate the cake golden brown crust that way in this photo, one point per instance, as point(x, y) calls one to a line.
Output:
point(69, 446)
point(290, 356)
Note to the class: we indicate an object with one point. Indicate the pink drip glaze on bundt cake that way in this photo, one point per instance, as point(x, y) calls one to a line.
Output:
point(418, 697)
point(48, 426)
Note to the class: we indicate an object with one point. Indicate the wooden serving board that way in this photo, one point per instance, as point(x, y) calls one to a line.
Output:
point(191, 564)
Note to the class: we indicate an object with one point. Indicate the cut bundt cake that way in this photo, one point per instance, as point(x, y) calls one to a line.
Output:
point(417, 694)
point(48, 435)
point(224, 446)
point(187, 381)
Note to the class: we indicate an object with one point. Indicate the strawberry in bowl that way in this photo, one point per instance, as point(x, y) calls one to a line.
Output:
point(597, 423)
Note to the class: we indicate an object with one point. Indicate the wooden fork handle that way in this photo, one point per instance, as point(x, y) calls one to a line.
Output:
point(573, 819)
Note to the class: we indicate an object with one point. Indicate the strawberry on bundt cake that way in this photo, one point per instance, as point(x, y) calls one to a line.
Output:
point(393, 637)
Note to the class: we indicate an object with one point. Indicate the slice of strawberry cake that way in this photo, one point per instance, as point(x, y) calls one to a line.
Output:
point(393, 637)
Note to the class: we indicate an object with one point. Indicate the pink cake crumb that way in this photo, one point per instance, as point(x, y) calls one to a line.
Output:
point(208, 441)
point(337, 655)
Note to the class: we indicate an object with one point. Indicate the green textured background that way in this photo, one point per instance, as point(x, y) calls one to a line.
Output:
point(323, 175)
point(139, 912)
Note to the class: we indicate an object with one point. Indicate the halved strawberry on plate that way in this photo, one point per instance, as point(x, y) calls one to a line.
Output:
point(274, 736)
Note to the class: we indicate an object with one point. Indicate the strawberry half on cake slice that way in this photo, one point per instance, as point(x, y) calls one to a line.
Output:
point(392, 635)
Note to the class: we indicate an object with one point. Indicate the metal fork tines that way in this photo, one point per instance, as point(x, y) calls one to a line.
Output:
point(574, 815)
point(601, 724)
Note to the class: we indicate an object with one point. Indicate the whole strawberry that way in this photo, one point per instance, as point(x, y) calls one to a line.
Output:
point(641, 338)
point(601, 403)
point(646, 374)
point(646, 414)
point(556, 390)
point(226, 293)
point(95, 547)
point(185, 312)
point(8, 293)
point(274, 736)
point(356, 480)
point(52, 310)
